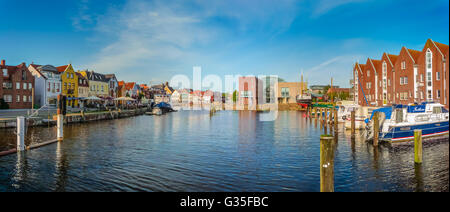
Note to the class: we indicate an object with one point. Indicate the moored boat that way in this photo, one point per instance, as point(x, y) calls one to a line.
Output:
point(398, 123)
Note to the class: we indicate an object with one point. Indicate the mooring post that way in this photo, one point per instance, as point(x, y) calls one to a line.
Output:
point(376, 129)
point(331, 116)
point(336, 120)
point(352, 123)
point(60, 119)
point(325, 116)
point(418, 146)
point(20, 133)
point(326, 163)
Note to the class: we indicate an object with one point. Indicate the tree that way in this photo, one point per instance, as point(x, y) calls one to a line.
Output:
point(235, 96)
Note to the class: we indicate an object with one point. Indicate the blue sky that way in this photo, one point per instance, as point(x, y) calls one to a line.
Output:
point(151, 41)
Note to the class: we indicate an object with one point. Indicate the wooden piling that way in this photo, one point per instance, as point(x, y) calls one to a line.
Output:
point(418, 146)
point(325, 116)
point(376, 128)
point(353, 124)
point(336, 120)
point(326, 163)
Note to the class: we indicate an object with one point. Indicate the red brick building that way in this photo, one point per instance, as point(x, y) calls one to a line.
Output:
point(411, 77)
point(17, 83)
point(248, 92)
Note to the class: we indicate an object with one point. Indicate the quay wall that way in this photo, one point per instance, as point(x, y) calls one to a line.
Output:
point(76, 118)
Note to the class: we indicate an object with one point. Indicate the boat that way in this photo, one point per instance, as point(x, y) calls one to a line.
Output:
point(304, 98)
point(397, 123)
point(361, 114)
point(344, 109)
point(161, 108)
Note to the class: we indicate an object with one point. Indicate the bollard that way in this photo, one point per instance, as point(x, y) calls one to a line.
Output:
point(60, 119)
point(326, 164)
point(352, 123)
point(376, 130)
point(20, 133)
point(418, 146)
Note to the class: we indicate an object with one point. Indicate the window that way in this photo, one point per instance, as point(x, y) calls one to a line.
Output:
point(48, 87)
point(24, 75)
point(421, 95)
point(18, 98)
point(65, 86)
point(68, 76)
point(438, 75)
point(403, 65)
point(71, 76)
point(57, 87)
point(421, 78)
point(368, 73)
point(429, 94)
point(30, 99)
point(30, 86)
point(7, 85)
point(5, 72)
point(437, 110)
point(401, 80)
point(384, 69)
point(429, 78)
point(438, 94)
point(24, 98)
point(284, 92)
point(389, 82)
point(429, 59)
point(7, 98)
point(25, 86)
point(17, 85)
point(405, 80)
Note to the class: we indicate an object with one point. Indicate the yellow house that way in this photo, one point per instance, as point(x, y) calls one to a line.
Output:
point(98, 83)
point(69, 84)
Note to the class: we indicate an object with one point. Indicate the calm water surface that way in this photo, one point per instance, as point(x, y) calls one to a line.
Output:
point(230, 151)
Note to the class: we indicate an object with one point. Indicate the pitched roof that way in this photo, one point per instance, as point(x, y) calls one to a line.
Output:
point(61, 68)
point(392, 57)
point(129, 85)
point(414, 54)
point(121, 83)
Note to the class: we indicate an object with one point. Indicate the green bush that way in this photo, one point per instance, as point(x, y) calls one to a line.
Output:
point(3, 104)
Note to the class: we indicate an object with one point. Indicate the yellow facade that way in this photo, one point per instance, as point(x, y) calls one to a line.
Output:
point(69, 86)
point(97, 87)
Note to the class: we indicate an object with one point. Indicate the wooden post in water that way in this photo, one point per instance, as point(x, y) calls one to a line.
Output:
point(376, 128)
point(335, 120)
point(418, 146)
point(326, 164)
point(20, 133)
point(60, 119)
point(325, 116)
point(353, 123)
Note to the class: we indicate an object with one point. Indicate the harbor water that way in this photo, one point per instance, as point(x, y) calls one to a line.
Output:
point(229, 151)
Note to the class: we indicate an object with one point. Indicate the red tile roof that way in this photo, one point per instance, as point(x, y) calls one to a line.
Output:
point(61, 68)
point(393, 58)
point(121, 83)
point(414, 54)
point(129, 85)
point(442, 47)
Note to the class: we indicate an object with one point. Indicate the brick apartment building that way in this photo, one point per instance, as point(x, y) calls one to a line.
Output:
point(411, 77)
point(16, 83)
point(248, 92)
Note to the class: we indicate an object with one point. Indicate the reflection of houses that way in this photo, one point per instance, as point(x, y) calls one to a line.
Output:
point(289, 91)
point(16, 83)
point(197, 97)
point(185, 95)
point(112, 84)
point(69, 81)
point(47, 82)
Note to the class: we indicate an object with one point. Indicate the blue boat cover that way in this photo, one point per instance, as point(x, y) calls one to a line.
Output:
point(386, 110)
point(417, 108)
point(163, 105)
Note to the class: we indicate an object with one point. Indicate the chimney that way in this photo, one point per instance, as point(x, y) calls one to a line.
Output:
point(3, 63)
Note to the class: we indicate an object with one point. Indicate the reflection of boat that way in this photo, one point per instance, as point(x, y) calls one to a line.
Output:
point(361, 114)
point(398, 123)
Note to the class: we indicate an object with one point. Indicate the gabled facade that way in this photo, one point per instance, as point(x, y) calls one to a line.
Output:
point(47, 80)
point(98, 84)
point(113, 85)
point(69, 82)
point(387, 75)
point(16, 83)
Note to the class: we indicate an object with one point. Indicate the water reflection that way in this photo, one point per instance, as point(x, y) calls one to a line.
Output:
point(230, 151)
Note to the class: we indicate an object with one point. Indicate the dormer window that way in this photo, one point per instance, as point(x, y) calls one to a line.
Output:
point(403, 65)
point(368, 73)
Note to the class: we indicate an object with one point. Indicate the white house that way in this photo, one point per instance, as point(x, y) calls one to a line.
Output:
point(175, 97)
point(47, 81)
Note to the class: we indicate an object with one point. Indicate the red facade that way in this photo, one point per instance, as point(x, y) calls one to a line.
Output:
point(16, 83)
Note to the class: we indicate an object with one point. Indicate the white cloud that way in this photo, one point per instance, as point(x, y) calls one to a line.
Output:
point(324, 6)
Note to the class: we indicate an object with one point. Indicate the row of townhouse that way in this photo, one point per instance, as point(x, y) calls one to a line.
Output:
point(195, 97)
point(18, 83)
point(410, 77)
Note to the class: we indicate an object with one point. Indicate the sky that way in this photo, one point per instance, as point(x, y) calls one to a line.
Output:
point(152, 41)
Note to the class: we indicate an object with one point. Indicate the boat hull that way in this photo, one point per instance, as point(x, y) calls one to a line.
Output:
point(406, 133)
